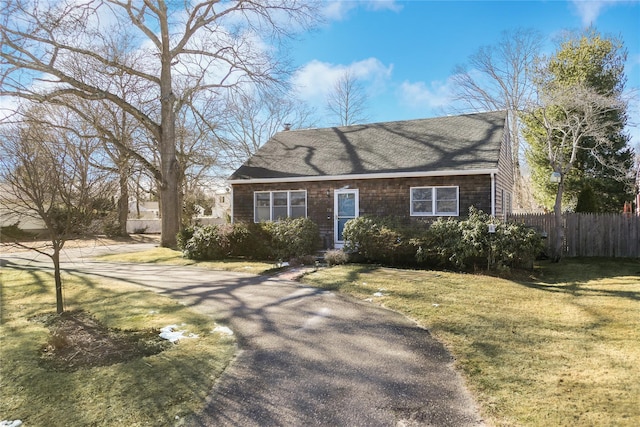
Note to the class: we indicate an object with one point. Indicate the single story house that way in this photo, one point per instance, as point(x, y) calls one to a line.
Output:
point(416, 169)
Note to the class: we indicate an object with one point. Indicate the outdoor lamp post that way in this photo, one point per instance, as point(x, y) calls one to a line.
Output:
point(492, 231)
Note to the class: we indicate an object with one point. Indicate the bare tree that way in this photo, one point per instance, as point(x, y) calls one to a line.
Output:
point(252, 117)
point(498, 77)
point(566, 120)
point(123, 142)
point(46, 165)
point(186, 52)
point(348, 100)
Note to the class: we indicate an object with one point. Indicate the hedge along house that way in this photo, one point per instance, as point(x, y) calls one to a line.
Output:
point(414, 169)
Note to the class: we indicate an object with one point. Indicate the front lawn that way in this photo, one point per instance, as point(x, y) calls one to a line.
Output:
point(170, 256)
point(557, 347)
point(158, 389)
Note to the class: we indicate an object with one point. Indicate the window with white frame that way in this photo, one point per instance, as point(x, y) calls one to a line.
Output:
point(275, 205)
point(434, 201)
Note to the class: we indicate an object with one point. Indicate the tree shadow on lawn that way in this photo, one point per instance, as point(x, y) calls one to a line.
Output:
point(587, 277)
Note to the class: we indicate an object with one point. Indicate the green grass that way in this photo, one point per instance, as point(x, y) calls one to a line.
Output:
point(156, 390)
point(170, 256)
point(558, 347)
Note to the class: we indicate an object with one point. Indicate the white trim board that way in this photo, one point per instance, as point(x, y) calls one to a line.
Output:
point(365, 176)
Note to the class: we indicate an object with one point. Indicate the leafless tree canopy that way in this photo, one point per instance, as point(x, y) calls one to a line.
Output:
point(498, 77)
point(183, 54)
point(47, 171)
point(347, 102)
point(252, 117)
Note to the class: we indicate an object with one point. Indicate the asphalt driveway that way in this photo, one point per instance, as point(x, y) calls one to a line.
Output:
point(306, 356)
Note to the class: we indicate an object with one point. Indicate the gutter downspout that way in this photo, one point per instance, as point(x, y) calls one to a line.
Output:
point(232, 216)
point(493, 194)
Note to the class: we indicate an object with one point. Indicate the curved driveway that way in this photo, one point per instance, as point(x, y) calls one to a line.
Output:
point(307, 356)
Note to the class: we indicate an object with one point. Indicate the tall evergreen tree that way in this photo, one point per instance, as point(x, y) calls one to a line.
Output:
point(595, 62)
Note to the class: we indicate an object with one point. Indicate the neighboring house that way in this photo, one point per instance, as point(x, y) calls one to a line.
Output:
point(222, 205)
point(415, 169)
point(143, 210)
point(12, 212)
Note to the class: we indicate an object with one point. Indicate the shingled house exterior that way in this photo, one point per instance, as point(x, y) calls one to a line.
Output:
point(414, 169)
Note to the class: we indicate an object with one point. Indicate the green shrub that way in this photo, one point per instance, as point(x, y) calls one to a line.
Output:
point(250, 240)
point(13, 232)
point(384, 240)
point(292, 238)
point(183, 236)
point(516, 245)
point(442, 245)
point(208, 242)
point(111, 226)
point(461, 244)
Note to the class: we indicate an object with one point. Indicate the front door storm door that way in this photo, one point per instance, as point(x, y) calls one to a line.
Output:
point(345, 208)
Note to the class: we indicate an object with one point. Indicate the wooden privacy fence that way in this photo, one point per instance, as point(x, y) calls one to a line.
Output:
point(589, 235)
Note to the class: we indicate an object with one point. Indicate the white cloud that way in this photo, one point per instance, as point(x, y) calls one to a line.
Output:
point(339, 10)
point(588, 10)
point(316, 79)
point(437, 94)
point(391, 5)
point(591, 9)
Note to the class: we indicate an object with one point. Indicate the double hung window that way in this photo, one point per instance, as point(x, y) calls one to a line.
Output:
point(275, 205)
point(434, 201)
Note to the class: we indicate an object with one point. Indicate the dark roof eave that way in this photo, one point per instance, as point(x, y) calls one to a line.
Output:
point(458, 172)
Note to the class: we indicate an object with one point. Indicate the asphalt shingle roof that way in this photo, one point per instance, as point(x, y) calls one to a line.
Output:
point(452, 143)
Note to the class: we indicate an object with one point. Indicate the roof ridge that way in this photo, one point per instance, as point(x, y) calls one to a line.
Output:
point(397, 121)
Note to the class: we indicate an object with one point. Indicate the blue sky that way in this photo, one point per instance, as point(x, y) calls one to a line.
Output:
point(404, 52)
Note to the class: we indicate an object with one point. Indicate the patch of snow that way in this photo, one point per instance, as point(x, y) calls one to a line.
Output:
point(436, 305)
point(153, 311)
point(222, 330)
point(14, 423)
point(170, 333)
point(380, 293)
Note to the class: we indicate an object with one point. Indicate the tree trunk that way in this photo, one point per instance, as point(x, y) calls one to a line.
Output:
point(557, 210)
point(55, 257)
point(170, 206)
point(123, 205)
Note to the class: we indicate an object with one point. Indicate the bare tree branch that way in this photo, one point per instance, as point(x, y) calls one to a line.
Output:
point(348, 100)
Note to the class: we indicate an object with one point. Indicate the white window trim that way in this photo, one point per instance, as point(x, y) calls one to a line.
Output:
point(255, 193)
point(434, 201)
point(339, 244)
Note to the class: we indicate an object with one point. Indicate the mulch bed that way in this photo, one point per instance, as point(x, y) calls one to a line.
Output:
point(78, 340)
